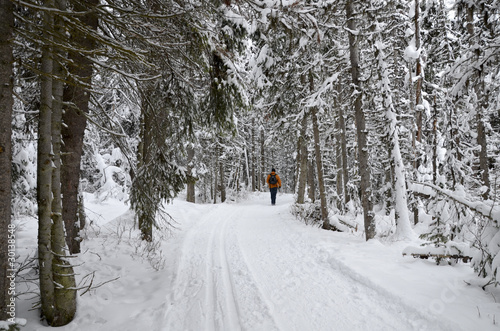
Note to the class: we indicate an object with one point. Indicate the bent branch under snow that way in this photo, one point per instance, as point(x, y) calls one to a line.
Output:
point(490, 211)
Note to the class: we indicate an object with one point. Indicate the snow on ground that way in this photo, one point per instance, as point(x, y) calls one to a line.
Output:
point(252, 266)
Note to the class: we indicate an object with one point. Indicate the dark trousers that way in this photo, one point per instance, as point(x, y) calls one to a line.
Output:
point(273, 190)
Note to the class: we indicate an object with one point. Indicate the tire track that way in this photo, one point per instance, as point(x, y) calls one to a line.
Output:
point(203, 294)
point(225, 292)
point(187, 308)
point(242, 267)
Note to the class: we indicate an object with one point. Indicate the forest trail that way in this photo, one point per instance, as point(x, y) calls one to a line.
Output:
point(242, 268)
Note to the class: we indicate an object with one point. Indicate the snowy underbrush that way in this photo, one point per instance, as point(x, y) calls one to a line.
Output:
point(451, 252)
point(308, 213)
point(122, 233)
point(9, 326)
point(457, 216)
point(446, 233)
point(113, 262)
point(233, 195)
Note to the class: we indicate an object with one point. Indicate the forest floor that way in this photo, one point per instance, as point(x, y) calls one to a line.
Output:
point(248, 265)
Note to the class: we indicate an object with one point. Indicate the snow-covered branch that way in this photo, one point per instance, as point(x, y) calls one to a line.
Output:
point(491, 211)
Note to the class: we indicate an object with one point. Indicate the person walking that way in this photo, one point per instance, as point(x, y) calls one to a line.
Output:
point(274, 182)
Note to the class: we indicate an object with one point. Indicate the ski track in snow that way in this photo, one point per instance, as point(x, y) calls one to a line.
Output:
point(242, 268)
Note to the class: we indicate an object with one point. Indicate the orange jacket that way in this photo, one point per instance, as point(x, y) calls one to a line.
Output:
point(273, 185)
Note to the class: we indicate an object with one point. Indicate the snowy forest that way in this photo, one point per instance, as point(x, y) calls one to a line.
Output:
point(380, 116)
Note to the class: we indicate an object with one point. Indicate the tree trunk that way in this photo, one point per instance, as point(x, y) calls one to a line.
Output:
point(212, 189)
point(74, 118)
point(238, 177)
point(44, 179)
point(6, 103)
point(343, 144)
point(254, 184)
point(338, 165)
point(57, 281)
point(296, 173)
point(484, 176)
point(147, 213)
point(418, 71)
point(454, 142)
point(483, 153)
point(263, 176)
point(190, 195)
point(311, 193)
point(434, 144)
point(247, 167)
point(403, 227)
point(418, 109)
point(343, 150)
point(216, 186)
point(362, 133)
point(62, 271)
point(389, 182)
point(222, 181)
point(302, 176)
point(319, 161)
point(319, 169)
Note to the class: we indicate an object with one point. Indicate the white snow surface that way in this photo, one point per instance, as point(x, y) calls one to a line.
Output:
point(248, 265)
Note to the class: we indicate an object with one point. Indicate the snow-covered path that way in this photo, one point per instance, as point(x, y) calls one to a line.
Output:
point(251, 266)
point(242, 268)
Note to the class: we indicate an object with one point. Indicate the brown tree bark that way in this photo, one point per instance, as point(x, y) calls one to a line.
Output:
point(342, 170)
point(296, 174)
point(44, 179)
point(362, 132)
point(319, 169)
point(343, 145)
point(62, 272)
point(311, 182)
point(418, 108)
point(222, 179)
point(190, 194)
point(75, 120)
point(6, 103)
point(319, 161)
point(215, 170)
point(254, 161)
point(434, 144)
point(302, 171)
point(338, 164)
point(262, 161)
point(418, 72)
point(478, 84)
point(147, 148)
point(56, 276)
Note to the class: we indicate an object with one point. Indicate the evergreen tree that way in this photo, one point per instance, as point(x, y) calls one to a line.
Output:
point(57, 279)
point(362, 133)
point(77, 94)
point(385, 105)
